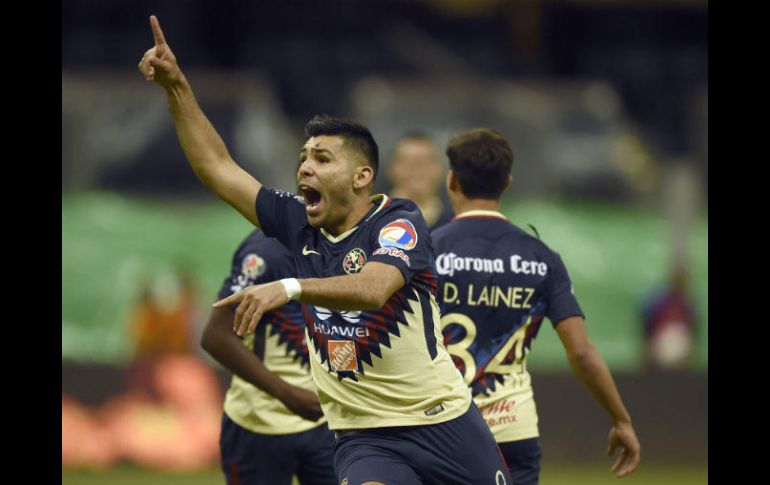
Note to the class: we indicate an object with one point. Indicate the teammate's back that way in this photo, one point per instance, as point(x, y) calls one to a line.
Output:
point(496, 284)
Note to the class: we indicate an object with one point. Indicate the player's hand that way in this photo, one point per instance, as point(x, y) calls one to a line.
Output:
point(623, 436)
point(159, 63)
point(254, 302)
point(303, 403)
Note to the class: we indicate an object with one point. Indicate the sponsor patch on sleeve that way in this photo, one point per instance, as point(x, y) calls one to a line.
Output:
point(398, 234)
point(393, 252)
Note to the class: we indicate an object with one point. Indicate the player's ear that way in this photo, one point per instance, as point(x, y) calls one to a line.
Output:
point(509, 182)
point(452, 185)
point(363, 176)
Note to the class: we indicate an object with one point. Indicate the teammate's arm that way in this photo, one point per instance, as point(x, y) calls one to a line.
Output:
point(367, 290)
point(220, 342)
point(589, 366)
point(202, 145)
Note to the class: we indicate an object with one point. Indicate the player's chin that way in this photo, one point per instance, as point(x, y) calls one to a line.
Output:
point(315, 220)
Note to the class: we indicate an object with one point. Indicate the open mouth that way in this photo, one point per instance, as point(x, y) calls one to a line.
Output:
point(312, 198)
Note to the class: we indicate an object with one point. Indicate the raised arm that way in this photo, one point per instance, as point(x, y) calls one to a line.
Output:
point(202, 145)
point(367, 290)
point(589, 366)
point(221, 343)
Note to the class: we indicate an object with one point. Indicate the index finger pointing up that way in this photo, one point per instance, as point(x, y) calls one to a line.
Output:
point(156, 32)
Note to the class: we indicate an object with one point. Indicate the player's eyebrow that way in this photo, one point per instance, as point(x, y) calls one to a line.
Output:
point(317, 151)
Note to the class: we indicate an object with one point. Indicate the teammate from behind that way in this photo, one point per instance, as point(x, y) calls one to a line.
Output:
point(497, 283)
point(272, 427)
point(384, 379)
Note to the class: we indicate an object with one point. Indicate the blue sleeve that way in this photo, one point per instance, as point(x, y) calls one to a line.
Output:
point(255, 264)
point(230, 284)
point(561, 300)
point(281, 215)
point(402, 239)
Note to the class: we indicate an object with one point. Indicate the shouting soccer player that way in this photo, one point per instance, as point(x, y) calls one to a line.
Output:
point(497, 283)
point(384, 378)
point(273, 426)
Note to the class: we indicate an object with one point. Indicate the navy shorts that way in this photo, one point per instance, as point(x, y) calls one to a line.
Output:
point(523, 459)
point(249, 458)
point(458, 451)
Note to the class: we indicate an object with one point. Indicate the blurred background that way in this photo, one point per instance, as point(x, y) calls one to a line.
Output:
point(606, 107)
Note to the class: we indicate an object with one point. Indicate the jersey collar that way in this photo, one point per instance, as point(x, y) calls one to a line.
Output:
point(481, 213)
point(384, 201)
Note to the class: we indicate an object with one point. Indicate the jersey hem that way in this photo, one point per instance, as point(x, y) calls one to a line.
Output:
point(374, 422)
point(524, 436)
point(273, 431)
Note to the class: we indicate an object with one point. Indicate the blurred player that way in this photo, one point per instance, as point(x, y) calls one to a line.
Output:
point(385, 381)
point(497, 283)
point(416, 174)
point(272, 427)
point(669, 320)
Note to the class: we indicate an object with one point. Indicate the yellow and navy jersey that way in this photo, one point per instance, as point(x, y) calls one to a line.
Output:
point(279, 341)
point(496, 284)
point(379, 368)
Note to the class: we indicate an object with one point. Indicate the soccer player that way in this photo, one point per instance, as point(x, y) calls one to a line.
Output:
point(416, 173)
point(386, 384)
point(497, 283)
point(272, 426)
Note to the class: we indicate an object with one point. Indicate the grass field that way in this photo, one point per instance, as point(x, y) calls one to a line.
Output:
point(615, 255)
point(553, 474)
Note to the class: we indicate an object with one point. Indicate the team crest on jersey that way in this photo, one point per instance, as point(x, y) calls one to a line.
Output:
point(398, 234)
point(354, 261)
point(253, 266)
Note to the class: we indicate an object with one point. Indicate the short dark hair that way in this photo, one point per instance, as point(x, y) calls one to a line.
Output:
point(482, 160)
point(355, 134)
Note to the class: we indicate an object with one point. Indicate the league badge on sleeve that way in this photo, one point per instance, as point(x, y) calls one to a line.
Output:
point(253, 266)
point(398, 234)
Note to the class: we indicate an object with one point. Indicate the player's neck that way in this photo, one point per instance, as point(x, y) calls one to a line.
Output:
point(464, 205)
point(352, 217)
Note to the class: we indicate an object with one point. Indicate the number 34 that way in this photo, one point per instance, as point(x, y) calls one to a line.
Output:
point(496, 365)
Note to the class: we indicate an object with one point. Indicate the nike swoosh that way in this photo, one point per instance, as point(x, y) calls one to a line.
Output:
point(306, 251)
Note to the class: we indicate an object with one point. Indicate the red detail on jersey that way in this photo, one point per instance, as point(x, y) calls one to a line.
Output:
point(291, 332)
point(394, 252)
point(380, 324)
point(427, 279)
